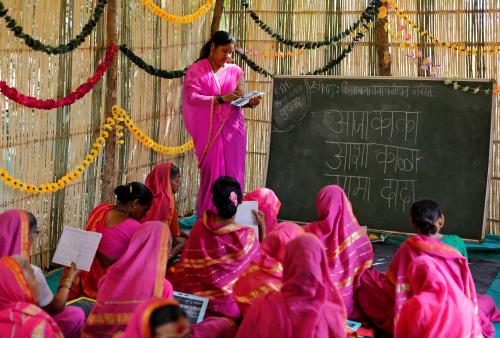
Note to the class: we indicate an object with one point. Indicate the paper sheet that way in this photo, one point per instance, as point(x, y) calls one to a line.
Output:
point(244, 215)
point(245, 98)
point(77, 246)
point(194, 306)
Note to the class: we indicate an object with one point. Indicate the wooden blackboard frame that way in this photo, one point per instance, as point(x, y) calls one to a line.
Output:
point(336, 77)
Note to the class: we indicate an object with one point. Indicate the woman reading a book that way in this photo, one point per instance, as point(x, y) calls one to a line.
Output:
point(217, 252)
point(216, 126)
point(19, 314)
point(347, 245)
point(18, 230)
point(137, 276)
point(117, 224)
point(164, 182)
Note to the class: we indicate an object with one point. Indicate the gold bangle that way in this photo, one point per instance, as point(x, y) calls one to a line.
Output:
point(66, 286)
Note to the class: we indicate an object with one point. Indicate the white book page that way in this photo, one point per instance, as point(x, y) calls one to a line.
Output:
point(245, 98)
point(77, 246)
point(244, 215)
point(194, 306)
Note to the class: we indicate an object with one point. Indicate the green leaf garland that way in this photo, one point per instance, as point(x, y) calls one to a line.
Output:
point(37, 45)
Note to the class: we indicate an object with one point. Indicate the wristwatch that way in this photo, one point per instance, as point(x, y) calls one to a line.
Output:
point(219, 99)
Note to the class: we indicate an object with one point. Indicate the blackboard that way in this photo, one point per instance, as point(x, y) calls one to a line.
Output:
point(387, 142)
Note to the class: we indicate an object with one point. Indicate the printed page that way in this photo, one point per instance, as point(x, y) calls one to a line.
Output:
point(77, 246)
point(194, 306)
point(245, 216)
point(245, 98)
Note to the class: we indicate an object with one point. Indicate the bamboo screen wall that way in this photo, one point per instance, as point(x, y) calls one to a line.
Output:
point(472, 22)
point(40, 146)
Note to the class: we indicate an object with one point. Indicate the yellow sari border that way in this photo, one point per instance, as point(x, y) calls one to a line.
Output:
point(18, 273)
point(25, 230)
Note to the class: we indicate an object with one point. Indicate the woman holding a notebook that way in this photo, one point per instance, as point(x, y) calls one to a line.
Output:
point(216, 126)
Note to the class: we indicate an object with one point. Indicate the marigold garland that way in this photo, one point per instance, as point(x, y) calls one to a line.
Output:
point(62, 48)
point(178, 19)
point(16, 183)
point(368, 15)
point(77, 94)
point(121, 115)
point(437, 41)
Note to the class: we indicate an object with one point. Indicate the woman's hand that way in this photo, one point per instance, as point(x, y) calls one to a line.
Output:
point(260, 217)
point(231, 97)
point(254, 102)
point(73, 271)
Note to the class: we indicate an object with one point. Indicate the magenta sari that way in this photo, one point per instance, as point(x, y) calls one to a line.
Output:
point(218, 130)
point(137, 276)
point(212, 261)
point(348, 247)
point(268, 203)
point(308, 304)
point(438, 308)
point(265, 273)
point(19, 316)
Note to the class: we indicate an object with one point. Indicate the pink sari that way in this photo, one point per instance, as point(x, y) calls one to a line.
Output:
point(163, 208)
point(268, 203)
point(218, 130)
point(438, 308)
point(114, 243)
point(212, 327)
point(19, 316)
point(14, 231)
point(265, 273)
point(138, 275)
point(347, 245)
point(212, 261)
point(308, 304)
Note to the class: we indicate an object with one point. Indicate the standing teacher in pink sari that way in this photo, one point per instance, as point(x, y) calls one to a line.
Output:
point(216, 126)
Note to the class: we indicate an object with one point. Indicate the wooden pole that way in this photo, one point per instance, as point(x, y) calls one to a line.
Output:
point(109, 167)
point(219, 8)
point(382, 45)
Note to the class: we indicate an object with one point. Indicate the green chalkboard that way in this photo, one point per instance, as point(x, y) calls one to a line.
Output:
point(387, 142)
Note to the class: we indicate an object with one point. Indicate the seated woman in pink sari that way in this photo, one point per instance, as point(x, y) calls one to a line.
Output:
point(381, 297)
point(347, 245)
point(217, 252)
point(269, 204)
point(19, 314)
point(437, 309)
point(265, 273)
point(159, 317)
point(117, 224)
point(18, 230)
point(308, 304)
point(137, 276)
point(216, 126)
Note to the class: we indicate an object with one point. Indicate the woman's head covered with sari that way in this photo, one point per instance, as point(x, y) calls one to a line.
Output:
point(265, 273)
point(268, 203)
point(308, 304)
point(347, 245)
point(17, 231)
point(138, 275)
point(19, 314)
point(163, 182)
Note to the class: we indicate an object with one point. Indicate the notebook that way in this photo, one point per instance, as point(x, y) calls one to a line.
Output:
point(246, 98)
point(77, 246)
point(244, 215)
point(84, 303)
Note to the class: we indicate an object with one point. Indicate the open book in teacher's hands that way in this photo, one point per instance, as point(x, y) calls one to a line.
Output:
point(246, 98)
point(77, 246)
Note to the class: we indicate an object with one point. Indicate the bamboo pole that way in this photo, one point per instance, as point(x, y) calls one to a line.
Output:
point(382, 46)
point(219, 8)
point(108, 176)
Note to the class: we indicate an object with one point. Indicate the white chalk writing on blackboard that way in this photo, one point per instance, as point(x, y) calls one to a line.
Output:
point(398, 193)
point(354, 185)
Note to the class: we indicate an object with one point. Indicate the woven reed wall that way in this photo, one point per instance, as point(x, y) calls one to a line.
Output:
point(40, 146)
point(472, 22)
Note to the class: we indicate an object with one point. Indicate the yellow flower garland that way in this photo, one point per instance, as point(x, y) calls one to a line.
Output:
point(438, 42)
point(15, 183)
point(178, 19)
point(121, 115)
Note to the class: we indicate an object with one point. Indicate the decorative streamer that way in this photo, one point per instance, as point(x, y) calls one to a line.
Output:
point(469, 89)
point(369, 15)
point(77, 94)
point(121, 115)
point(178, 19)
point(36, 44)
point(166, 74)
